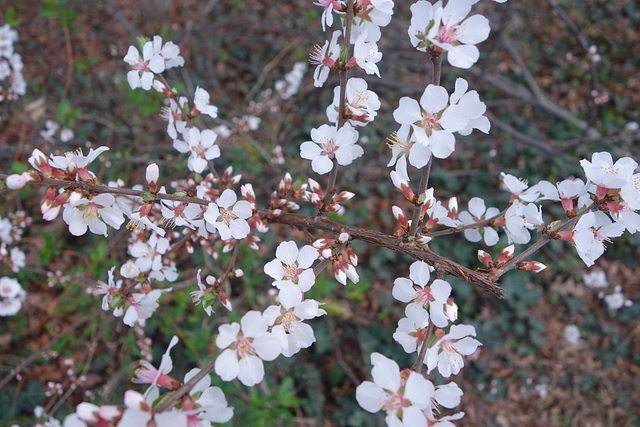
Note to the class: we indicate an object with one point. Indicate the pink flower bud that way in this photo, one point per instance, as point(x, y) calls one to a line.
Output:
point(453, 208)
point(226, 302)
point(314, 186)
point(344, 237)
point(506, 254)
point(485, 258)
point(423, 240)
point(247, 192)
point(532, 266)
point(353, 258)
point(342, 196)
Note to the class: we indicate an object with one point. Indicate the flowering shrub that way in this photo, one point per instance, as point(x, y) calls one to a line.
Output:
point(211, 210)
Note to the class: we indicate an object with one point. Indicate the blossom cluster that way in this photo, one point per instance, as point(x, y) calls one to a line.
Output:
point(429, 311)
point(11, 292)
point(12, 82)
point(202, 406)
point(205, 211)
point(604, 207)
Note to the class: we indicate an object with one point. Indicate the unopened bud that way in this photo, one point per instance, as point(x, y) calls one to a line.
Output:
point(342, 196)
point(226, 302)
point(314, 186)
point(15, 182)
point(423, 240)
point(485, 258)
point(532, 266)
point(506, 254)
point(153, 173)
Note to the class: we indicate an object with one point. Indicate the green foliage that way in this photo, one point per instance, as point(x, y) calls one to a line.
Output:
point(60, 10)
point(10, 17)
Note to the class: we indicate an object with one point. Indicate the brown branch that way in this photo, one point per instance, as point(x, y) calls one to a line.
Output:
point(397, 244)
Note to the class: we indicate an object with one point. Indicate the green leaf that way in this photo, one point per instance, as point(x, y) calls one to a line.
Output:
point(10, 17)
point(147, 197)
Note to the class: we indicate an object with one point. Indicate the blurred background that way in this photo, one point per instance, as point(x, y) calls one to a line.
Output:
point(560, 80)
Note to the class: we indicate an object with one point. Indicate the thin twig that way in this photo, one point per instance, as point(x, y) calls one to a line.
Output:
point(328, 194)
point(417, 366)
point(75, 325)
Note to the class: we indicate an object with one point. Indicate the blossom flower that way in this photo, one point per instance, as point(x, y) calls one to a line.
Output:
point(572, 334)
point(615, 300)
point(361, 104)
point(444, 421)
point(606, 174)
point(590, 233)
point(149, 255)
point(366, 54)
point(404, 147)
point(474, 109)
point(143, 69)
point(327, 13)
point(595, 279)
point(516, 226)
point(328, 143)
point(293, 266)
point(401, 394)
point(210, 406)
point(141, 307)
point(11, 296)
point(446, 354)
point(6, 231)
point(201, 102)
point(436, 29)
point(245, 346)
point(447, 395)
point(228, 216)
point(73, 160)
point(517, 186)
point(17, 259)
point(410, 333)
point(181, 214)
point(201, 146)
point(372, 15)
point(138, 412)
point(416, 292)
point(287, 319)
point(173, 115)
point(324, 58)
point(630, 193)
point(169, 52)
point(92, 214)
point(148, 374)
point(110, 290)
point(432, 120)
point(478, 212)
point(291, 84)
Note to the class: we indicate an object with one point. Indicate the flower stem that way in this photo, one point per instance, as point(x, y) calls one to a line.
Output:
point(328, 194)
point(423, 350)
point(426, 171)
